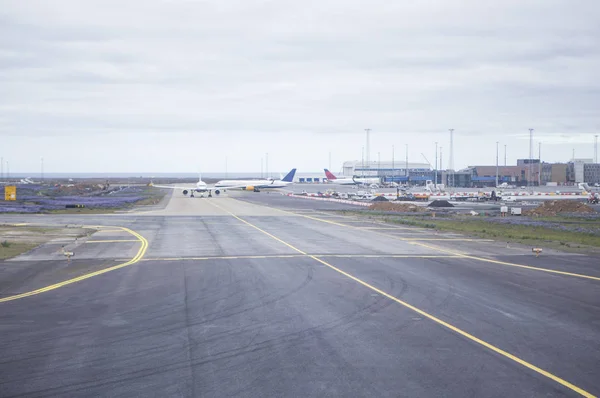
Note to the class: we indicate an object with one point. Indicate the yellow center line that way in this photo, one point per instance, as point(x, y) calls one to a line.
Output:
point(425, 314)
point(135, 259)
point(462, 255)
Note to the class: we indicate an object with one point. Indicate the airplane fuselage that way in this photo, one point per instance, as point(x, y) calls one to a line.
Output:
point(260, 184)
point(355, 181)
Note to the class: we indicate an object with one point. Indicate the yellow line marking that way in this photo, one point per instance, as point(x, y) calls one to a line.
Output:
point(439, 249)
point(109, 230)
point(135, 259)
point(112, 241)
point(429, 316)
point(462, 255)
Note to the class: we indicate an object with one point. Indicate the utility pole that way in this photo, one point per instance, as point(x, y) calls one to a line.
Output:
point(451, 162)
point(530, 157)
point(436, 165)
point(368, 148)
point(504, 155)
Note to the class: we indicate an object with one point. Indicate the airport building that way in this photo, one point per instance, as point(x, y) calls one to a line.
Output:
point(571, 173)
point(480, 176)
point(391, 170)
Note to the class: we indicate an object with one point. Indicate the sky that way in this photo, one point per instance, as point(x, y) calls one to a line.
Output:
point(186, 85)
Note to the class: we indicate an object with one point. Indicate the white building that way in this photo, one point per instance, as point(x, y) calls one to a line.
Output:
point(383, 168)
point(579, 167)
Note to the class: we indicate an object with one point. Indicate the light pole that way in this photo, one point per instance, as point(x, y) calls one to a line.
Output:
point(539, 164)
point(504, 155)
point(530, 156)
point(362, 171)
point(406, 165)
point(436, 165)
point(267, 164)
point(497, 164)
point(441, 165)
point(368, 148)
point(261, 167)
point(451, 163)
point(378, 164)
point(393, 165)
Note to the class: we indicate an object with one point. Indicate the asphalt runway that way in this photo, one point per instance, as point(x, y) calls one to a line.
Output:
point(265, 295)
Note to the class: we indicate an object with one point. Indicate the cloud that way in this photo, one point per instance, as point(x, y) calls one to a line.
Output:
point(242, 78)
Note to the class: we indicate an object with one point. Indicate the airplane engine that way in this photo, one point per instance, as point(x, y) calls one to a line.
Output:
point(250, 188)
point(217, 192)
point(185, 192)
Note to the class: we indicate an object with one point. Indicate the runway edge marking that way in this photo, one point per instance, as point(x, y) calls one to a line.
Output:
point(427, 315)
point(135, 259)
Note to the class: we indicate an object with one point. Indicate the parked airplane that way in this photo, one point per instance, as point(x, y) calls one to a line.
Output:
point(249, 185)
point(256, 185)
point(350, 181)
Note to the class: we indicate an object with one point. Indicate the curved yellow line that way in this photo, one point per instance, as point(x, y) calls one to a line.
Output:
point(134, 260)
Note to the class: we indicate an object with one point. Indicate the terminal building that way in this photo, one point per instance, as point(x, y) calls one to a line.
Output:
point(526, 172)
point(540, 173)
point(390, 171)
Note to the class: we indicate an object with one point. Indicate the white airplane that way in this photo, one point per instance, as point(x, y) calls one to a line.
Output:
point(257, 185)
point(221, 186)
point(350, 181)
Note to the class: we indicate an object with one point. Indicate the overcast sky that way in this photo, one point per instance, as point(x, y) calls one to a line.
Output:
point(178, 85)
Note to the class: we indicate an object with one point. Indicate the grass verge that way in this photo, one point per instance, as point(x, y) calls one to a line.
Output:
point(14, 249)
point(514, 233)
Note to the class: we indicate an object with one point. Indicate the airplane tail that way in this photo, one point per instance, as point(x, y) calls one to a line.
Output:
point(330, 175)
point(290, 176)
